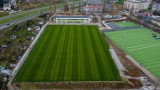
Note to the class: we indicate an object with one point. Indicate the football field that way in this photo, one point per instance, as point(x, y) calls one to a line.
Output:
point(69, 53)
point(141, 45)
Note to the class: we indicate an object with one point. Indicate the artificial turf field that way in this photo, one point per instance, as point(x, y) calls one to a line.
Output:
point(139, 44)
point(125, 24)
point(69, 53)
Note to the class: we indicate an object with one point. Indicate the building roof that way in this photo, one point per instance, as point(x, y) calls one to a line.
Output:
point(158, 18)
point(145, 14)
point(94, 6)
point(137, 1)
point(71, 17)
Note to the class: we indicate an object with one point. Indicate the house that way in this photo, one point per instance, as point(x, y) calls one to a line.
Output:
point(2, 68)
point(136, 5)
point(13, 3)
point(6, 72)
point(29, 29)
point(147, 16)
point(37, 28)
point(4, 45)
point(6, 5)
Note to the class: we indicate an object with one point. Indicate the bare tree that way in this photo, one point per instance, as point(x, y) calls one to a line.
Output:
point(65, 8)
point(79, 7)
point(104, 5)
point(72, 8)
point(132, 11)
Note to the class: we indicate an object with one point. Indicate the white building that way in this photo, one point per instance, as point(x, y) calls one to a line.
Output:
point(137, 5)
point(156, 7)
point(7, 7)
point(71, 19)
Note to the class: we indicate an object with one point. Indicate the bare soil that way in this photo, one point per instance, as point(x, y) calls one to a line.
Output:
point(72, 85)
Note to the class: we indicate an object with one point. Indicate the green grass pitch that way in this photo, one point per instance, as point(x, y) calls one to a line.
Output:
point(69, 53)
point(140, 44)
point(125, 24)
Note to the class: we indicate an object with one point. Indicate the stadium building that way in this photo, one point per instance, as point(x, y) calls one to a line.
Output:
point(71, 19)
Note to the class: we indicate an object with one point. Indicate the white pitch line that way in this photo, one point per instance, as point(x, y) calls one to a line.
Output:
point(144, 47)
point(153, 66)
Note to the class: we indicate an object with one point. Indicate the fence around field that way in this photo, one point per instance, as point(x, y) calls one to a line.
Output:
point(51, 23)
point(25, 55)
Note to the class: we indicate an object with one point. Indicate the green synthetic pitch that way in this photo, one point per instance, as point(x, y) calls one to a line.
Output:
point(141, 45)
point(125, 24)
point(69, 53)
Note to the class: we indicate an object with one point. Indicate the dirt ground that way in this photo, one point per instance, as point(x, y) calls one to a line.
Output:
point(72, 85)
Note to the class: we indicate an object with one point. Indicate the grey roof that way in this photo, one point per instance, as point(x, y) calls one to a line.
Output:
point(71, 17)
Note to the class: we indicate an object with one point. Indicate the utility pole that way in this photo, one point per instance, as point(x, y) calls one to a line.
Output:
point(53, 9)
point(86, 7)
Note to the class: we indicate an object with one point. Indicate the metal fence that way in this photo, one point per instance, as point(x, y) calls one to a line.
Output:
point(25, 55)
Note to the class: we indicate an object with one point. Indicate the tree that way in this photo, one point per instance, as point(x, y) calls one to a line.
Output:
point(79, 7)
point(150, 7)
point(132, 11)
point(65, 8)
point(53, 7)
point(72, 7)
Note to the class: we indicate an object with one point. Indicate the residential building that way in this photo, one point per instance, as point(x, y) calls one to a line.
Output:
point(6, 7)
point(7, 4)
point(137, 5)
point(156, 6)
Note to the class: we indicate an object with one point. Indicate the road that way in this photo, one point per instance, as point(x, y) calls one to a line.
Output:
point(8, 20)
point(19, 20)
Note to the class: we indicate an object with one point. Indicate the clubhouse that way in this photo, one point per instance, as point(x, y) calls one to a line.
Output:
point(71, 19)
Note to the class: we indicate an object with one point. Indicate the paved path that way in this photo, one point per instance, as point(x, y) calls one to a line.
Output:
point(117, 62)
point(19, 20)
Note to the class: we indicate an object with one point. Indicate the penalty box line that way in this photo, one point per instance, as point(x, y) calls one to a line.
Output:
point(134, 47)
